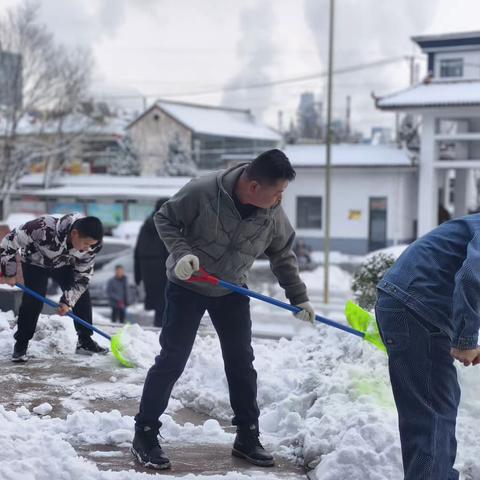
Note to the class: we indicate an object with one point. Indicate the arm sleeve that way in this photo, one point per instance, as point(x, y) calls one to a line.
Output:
point(175, 215)
point(137, 269)
point(283, 261)
point(466, 299)
point(82, 273)
point(17, 239)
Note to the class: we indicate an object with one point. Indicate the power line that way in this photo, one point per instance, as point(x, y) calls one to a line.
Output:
point(233, 88)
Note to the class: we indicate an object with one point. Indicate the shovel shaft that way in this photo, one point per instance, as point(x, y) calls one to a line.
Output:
point(53, 304)
point(287, 306)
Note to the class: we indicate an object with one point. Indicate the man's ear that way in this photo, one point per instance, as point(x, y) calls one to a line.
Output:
point(253, 186)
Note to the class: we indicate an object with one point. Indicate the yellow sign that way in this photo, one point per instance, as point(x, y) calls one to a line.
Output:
point(354, 214)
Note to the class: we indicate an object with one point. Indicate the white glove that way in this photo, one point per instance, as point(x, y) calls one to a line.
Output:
point(186, 266)
point(307, 314)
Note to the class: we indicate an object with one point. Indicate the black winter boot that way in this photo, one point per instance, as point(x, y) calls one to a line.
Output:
point(247, 445)
point(146, 449)
point(88, 346)
point(20, 352)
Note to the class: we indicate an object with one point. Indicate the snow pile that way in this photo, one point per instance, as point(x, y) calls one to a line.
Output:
point(55, 335)
point(325, 399)
point(139, 346)
point(339, 280)
point(395, 251)
point(43, 409)
point(7, 321)
point(41, 448)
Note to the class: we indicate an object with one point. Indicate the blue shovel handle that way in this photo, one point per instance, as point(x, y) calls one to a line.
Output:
point(56, 305)
point(203, 276)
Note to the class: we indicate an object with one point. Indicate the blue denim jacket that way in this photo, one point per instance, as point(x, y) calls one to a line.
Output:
point(438, 276)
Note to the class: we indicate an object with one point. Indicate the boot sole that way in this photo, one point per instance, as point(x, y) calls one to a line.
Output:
point(253, 461)
point(84, 352)
point(23, 359)
point(89, 353)
point(154, 466)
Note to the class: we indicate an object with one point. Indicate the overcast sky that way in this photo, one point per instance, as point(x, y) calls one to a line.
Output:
point(177, 48)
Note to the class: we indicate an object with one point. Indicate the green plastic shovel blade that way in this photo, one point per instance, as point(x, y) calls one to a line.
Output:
point(119, 351)
point(365, 322)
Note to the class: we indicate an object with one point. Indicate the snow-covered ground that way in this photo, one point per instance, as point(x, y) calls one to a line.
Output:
point(324, 397)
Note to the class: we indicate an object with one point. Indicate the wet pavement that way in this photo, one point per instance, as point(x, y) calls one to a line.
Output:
point(57, 380)
point(185, 459)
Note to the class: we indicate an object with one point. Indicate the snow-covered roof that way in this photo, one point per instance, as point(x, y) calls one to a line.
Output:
point(218, 121)
point(434, 94)
point(102, 186)
point(347, 155)
point(74, 123)
point(102, 180)
point(448, 41)
point(95, 192)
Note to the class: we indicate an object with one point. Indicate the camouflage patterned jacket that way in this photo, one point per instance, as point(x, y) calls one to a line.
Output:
point(44, 242)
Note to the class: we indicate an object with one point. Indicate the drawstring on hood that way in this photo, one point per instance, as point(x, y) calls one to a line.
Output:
point(218, 214)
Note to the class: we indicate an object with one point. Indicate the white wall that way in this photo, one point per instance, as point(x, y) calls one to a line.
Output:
point(471, 63)
point(351, 190)
point(152, 135)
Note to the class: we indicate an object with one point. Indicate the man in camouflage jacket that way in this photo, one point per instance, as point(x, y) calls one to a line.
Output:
point(63, 249)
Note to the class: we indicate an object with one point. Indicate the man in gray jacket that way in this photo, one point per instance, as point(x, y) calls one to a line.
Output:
point(222, 221)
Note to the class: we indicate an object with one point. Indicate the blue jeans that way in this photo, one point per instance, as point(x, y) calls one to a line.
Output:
point(425, 388)
point(230, 315)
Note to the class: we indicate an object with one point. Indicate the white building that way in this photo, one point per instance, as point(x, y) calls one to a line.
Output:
point(373, 191)
point(448, 103)
point(373, 199)
point(202, 133)
point(114, 199)
point(373, 196)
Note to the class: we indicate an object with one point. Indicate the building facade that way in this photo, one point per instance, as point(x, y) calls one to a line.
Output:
point(447, 103)
point(202, 134)
point(373, 196)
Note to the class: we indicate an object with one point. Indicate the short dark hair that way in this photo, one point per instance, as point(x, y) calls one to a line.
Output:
point(269, 167)
point(118, 266)
point(90, 227)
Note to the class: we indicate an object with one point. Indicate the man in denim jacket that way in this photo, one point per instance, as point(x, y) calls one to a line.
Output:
point(428, 314)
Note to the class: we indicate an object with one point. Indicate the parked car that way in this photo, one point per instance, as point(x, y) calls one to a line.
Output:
point(14, 220)
point(112, 248)
point(128, 231)
point(98, 283)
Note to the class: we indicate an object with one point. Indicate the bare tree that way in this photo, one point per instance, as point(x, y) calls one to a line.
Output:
point(42, 82)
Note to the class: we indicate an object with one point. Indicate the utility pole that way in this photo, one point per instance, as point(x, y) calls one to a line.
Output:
point(280, 121)
point(347, 118)
point(326, 240)
point(412, 68)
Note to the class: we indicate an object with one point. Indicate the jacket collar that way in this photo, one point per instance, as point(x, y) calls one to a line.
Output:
point(227, 179)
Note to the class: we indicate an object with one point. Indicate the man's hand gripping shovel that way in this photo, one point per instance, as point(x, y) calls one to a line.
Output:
point(362, 323)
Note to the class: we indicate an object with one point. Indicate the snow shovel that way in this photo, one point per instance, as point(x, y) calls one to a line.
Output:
point(115, 342)
point(365, 325)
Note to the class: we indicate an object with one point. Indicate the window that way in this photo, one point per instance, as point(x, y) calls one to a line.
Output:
point(309, 212)
point(453, 67)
